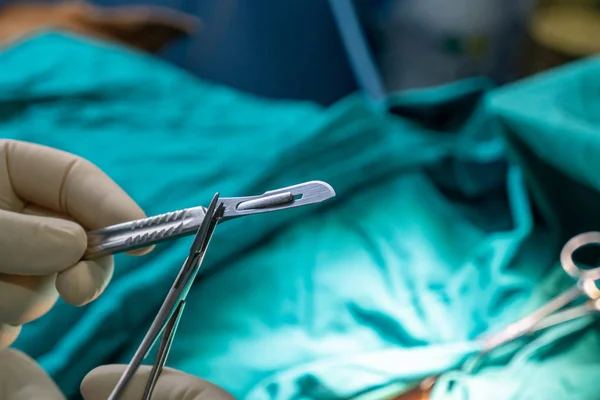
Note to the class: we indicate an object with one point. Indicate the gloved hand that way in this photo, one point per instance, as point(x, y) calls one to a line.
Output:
point(47, 200)
point(21, 378)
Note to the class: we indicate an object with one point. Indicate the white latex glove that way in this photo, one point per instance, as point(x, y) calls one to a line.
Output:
point(21, 378)
point(48, 198)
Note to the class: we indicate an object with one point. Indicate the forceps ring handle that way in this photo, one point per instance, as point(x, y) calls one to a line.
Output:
point(143, 232)
point(587, 277)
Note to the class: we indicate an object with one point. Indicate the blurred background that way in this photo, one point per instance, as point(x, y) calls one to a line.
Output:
point(323, 50)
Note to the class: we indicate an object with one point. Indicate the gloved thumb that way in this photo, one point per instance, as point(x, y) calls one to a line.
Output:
point(171, 385)
point(21, 378)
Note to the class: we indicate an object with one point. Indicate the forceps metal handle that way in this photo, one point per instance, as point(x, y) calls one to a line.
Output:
point(143, 232)
point(589, 307)
point(163, 350)
point(528, 324)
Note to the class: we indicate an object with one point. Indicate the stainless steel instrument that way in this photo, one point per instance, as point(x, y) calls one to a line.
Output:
point(148, 231)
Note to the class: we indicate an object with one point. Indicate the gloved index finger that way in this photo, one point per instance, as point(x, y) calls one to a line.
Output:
point(68, 184)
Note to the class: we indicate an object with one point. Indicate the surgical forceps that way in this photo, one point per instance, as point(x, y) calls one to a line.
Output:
point(169, 314)
point(555, 312)
point(148, 231)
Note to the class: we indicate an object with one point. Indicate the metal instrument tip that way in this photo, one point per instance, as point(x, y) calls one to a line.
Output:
point(303, 194)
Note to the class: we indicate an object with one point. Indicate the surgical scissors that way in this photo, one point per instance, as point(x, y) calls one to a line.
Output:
point(555, 312)
point(148, 231)
point(169, 314)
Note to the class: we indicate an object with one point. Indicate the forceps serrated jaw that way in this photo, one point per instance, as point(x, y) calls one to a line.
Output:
point(145, 232)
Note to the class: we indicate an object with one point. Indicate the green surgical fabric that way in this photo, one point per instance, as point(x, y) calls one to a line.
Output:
point(432, 240)
point(551, 125)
